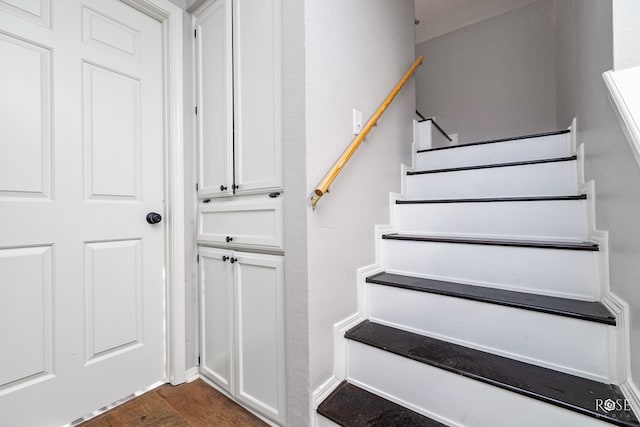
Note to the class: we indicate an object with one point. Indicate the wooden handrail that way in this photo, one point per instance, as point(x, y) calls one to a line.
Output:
point(323, 187)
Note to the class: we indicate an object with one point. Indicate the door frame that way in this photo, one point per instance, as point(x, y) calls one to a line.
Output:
point(170, 17)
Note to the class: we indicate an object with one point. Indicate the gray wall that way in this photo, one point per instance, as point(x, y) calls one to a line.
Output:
point(608, 157)
point(493, 78)
point(356, 51)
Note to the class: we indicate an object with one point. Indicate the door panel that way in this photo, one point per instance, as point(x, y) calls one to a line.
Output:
point(111, 290)
point(111, 98)
point(258, 119)
point(25, 300)
point(33, 10)
point(216, 293)
point(81, 272)
point(259, 286)
point(25, 159)
point(215, 100)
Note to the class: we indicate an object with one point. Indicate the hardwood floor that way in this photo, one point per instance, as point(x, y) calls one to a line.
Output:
point(194, 404)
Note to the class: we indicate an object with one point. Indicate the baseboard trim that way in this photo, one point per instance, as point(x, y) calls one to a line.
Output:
point(193, 374)
point(322, 392)
point(631, 392)
point(620, 355)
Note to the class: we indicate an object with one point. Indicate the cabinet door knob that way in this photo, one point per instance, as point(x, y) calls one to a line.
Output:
point(224, 258)
point(229, 239)
point(232, 260)
point(235, 187)
point(223, 188)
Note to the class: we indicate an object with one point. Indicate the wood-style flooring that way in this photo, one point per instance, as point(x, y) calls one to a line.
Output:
point(190, 405)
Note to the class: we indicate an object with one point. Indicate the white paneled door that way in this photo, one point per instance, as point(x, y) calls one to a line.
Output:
point(81, 165)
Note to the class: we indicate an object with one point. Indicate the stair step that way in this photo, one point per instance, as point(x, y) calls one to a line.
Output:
point(523, 266)
point(578, 246)
point(495, 165)
point(536, 218)
point(493, 141)
point(575, 346)
point(494, 199)
point(556, 388)
point(548, 177)
point(584, 310)
point(352, 406)
point(536, 147)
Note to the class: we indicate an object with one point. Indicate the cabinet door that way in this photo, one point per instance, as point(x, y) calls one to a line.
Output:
point(260, 333)
point(216, 317)
point(258, 106)
point(242, 222)
point(215, 99)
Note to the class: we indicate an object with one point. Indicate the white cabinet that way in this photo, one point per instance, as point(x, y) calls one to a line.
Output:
point(239, 125)
point(242, 222)
point(215, 98)
point(242, 304)
point(239, 97)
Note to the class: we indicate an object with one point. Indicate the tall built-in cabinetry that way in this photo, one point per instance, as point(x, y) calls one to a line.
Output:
point(240, 201)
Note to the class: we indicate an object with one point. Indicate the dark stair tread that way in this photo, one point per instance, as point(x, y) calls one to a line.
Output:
point(496, 165)
point(493, 141)
point(584, 310)
point(495, 199)
point(544, 244)
point(554, 387)
point(352, 406)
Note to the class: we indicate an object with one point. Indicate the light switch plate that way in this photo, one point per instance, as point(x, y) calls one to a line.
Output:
point(357, 121)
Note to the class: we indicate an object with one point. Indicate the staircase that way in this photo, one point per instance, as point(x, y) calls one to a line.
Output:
point(485, 306)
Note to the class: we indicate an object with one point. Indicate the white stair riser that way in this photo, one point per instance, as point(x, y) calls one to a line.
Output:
point(452, 398)
point(541, 179)
point(564, 273)
point(551, 220)
point(545, 147)
point(570, 345)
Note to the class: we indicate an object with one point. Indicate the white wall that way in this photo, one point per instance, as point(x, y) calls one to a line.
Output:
point(626, 34)
point(494, 78)
point(356, 51)
point(295, 213)
point(608, 157)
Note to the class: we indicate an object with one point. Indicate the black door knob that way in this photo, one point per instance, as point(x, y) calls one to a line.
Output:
point(223, 188)
point(154, 217)
point(229, 239)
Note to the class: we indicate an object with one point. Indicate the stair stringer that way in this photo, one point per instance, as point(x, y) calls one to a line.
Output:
point(620, 359)
point(620, 352)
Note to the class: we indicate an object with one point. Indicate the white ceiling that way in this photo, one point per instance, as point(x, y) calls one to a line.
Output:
point(438, 17)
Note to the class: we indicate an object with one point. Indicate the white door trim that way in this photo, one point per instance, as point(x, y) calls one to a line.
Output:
point(171, 18)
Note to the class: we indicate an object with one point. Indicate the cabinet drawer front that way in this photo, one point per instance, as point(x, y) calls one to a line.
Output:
point(248, 221)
